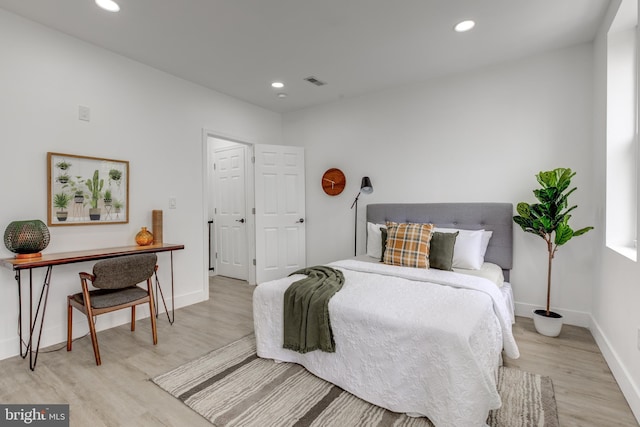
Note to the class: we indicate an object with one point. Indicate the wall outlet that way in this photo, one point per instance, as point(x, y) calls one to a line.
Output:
point(172, 205)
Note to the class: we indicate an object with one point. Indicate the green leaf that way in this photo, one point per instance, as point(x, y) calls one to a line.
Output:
point(524, 210)
point(537, 210)
point(525, 223)
point(582, 231)
point(546, 179)
point(546, 195)
point(564, 233)
point(566, 213)
point(564, 179)
point(546, 224)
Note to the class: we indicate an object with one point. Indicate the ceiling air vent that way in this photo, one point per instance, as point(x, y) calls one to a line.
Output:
point(315, 81)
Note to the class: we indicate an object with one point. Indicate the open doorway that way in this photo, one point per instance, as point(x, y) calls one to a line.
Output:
point(230, 195)
point(255, 201)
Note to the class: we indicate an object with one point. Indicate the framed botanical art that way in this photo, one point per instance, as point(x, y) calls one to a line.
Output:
point(86, 190)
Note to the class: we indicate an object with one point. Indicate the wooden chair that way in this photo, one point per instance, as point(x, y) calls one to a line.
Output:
point(116, 280)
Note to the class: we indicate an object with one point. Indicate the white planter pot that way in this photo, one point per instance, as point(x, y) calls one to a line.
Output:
point(549, 326)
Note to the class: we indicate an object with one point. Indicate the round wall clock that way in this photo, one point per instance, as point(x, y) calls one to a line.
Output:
point(333, 181)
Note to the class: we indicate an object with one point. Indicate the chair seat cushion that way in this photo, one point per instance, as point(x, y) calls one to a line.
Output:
point(103, 298)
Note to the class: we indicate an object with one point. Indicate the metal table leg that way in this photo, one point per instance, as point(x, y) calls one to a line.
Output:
point(33, 319)
point(171, 317)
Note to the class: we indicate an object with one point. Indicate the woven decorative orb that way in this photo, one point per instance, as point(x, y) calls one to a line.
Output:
point(26, 238)
point(144, 237)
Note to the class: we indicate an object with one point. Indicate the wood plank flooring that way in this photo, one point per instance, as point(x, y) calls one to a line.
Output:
point(119, 392)
point(586, 392)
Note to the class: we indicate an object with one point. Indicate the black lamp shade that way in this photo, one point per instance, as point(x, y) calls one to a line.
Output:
point(366, 186)
point(26, 237)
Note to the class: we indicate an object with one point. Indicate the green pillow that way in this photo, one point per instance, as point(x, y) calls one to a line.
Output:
point(384, 242)
point(441, 251)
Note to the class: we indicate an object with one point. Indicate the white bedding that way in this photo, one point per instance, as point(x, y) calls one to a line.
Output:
point(404, 343)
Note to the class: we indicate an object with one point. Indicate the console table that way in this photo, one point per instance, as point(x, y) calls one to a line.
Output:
point(50, 260)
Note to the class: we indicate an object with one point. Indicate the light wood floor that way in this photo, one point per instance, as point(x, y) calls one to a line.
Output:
point(119, 392)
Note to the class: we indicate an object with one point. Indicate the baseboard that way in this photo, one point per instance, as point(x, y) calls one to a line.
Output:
point(9, 347)
point(571, 317)
point(629, 388)
point(57, 335)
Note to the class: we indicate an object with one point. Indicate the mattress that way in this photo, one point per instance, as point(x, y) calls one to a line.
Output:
point(489, 271)
point(418, 341)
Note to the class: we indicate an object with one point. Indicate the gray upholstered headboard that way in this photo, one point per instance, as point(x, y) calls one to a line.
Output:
point(497, 217)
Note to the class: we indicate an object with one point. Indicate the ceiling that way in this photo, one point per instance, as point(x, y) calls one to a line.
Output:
point(238, 47)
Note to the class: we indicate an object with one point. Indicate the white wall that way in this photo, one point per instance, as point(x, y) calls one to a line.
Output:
point(478, 136)
point(616, 294)
point(139, 114)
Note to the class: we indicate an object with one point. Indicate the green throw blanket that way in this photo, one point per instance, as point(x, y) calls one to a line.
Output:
point(306, 310)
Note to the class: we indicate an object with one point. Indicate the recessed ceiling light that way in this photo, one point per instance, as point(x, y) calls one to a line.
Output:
point(109, 5)
point(277, 85)
point(463, 26)
point(282, 95)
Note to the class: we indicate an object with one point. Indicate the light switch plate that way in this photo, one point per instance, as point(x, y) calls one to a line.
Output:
point(84, 113)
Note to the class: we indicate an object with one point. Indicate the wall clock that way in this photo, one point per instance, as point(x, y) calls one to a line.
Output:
point(333, 181)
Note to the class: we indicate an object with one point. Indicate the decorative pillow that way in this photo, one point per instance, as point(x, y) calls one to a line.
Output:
point(468, 252)
point(441, 250)
point(374, 236)
point(486, 236)
point(408, 244)
point(384, 243)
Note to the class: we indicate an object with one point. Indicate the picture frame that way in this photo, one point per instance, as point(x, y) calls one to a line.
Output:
point(83, 190)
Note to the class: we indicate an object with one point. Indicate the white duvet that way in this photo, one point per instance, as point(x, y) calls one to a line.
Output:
point(424, 342)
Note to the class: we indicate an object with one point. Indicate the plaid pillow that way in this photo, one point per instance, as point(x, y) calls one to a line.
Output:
point(408, 244)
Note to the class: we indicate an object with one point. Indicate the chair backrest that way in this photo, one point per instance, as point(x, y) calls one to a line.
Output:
point(124, 271)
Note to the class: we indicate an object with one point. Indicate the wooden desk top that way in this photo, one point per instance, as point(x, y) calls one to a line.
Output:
point(88, 255)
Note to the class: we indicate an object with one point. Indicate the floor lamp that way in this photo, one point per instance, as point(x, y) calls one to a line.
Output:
point(365, 188)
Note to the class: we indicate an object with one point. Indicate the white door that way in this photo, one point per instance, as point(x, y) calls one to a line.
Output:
point(280, 211)
point(231, 214)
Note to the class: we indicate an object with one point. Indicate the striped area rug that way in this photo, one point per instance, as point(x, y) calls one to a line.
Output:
point(232, 386)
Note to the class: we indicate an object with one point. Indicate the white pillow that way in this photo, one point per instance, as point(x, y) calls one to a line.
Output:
point(486, 236)
point(469, 249)
point(374, 240)
point(489, 271)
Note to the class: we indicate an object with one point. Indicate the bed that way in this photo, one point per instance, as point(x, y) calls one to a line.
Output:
point(425, 342)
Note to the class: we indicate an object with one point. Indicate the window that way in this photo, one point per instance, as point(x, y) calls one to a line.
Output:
point(622, 134)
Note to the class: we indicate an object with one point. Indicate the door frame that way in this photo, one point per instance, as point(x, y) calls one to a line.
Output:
point(207, 156)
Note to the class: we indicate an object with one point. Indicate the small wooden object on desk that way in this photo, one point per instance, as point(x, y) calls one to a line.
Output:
point(156, 226)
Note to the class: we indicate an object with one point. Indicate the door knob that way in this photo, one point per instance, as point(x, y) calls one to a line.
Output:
point(301, 220)
point(241, 220)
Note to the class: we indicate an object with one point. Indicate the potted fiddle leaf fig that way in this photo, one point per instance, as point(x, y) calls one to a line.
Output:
point(549, 219)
